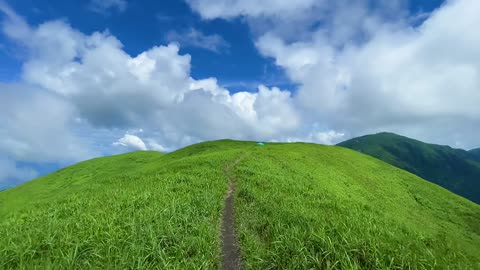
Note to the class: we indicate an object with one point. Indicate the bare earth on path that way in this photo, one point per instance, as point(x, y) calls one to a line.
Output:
point(231, 258)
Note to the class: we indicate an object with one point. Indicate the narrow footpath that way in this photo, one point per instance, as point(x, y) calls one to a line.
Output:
point(231, 257)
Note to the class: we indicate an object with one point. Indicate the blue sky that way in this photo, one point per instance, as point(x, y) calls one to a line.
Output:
point(80, 79)
point(144, 24)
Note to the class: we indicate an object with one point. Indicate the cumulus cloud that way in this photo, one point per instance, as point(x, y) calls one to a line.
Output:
point(294, 20)
point(93, 87)
point(132, 142)
point(367, 68)
point(323, 137)
point(108, 87)
point(80, 93)
point(37, 126)
point(155, 146)
point(195, 38)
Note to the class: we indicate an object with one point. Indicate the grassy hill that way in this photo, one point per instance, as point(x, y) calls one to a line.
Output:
point(296, 205)
point(454, 169)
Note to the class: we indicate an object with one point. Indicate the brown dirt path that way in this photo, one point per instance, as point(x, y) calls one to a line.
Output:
point(231, 257)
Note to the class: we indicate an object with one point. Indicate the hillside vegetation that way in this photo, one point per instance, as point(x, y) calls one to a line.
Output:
point(454, 169)
point(298, 206)
point(475, 153)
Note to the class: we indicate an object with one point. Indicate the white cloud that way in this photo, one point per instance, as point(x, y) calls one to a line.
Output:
point(155, 146)
point(79, 93)
point(340, 20)
point(11, 174)
point(131, 141)
point(328, 137)
point(211, 9)
point(365, 69)
point(107, 86)
point(103, 6)
point(195, 38)
point(275, 112)
point(105, 90)
point(322, 137)
point(37, 126)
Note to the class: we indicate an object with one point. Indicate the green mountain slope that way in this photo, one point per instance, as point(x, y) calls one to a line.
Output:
point(453, 169)
point(475, 153)
point(297, 206)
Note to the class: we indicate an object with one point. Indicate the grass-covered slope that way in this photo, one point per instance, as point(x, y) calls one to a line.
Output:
point(475, 153)
point(454, 169)
point(303, 206)
point(298, 206)
point(138, 210)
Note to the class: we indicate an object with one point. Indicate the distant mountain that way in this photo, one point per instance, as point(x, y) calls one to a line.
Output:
point(454, 169)
point(475, 153)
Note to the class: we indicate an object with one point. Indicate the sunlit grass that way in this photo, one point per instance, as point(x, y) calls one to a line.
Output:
point(139, 210)
point(316, 207)
point(299, 206)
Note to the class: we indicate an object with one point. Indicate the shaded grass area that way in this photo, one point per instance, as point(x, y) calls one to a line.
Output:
point(318, 207)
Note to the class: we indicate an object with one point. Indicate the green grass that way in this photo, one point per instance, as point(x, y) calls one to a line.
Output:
point(320, 207)
point(454, 169)
point(138, 210)
point(298, 206)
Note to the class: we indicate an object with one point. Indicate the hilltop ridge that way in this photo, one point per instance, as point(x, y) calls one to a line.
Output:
point(296, 206)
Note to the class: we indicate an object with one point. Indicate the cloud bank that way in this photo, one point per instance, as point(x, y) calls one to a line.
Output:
point(11, 174)
point(369, 67)
point(81, 94)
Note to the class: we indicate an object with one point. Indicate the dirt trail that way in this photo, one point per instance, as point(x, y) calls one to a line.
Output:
point(231, 258)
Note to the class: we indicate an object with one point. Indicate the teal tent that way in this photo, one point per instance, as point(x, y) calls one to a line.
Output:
point(260, 144)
